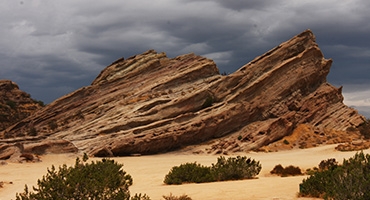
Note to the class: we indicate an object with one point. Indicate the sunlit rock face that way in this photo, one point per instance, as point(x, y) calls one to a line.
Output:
point(150, 103)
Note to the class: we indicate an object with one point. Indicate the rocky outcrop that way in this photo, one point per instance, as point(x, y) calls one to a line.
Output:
point(15, 104)
point(150, 103)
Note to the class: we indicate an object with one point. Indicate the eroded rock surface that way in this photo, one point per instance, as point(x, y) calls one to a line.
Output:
point(15, 104)
point(150, 103)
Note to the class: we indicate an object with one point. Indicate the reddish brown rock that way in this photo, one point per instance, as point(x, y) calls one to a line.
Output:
point(15, 104)
point(150, 104)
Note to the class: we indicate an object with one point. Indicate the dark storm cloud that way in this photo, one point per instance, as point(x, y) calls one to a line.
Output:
point(57, 47)
point(246, 5)
point(47, 76)
point(239, 5)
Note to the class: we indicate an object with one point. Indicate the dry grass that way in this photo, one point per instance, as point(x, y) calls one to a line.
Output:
point(305, 136)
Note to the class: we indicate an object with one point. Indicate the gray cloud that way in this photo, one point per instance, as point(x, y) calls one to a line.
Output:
point(53, 47)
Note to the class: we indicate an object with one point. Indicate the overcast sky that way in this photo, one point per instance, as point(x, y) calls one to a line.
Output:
point(51, 48)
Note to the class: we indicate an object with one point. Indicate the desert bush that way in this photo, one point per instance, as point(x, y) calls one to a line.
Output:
point(278, 169)
point(310, 171)
point(96, 180)
point(233, 168)
point(140, 197)
point(188, 173)
point(351, 180)
point(328, 164)
point(172, 197)
point(240, 137)
point(208, 102)
point(287, 171)
point(292, 170)
point(41, 103)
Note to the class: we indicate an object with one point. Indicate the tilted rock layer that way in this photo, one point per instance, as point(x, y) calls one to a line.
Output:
point(150, 104)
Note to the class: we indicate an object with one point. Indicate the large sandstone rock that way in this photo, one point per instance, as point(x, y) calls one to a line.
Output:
point(150, 104)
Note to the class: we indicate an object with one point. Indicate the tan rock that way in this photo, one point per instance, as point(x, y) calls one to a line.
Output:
point(150, 104)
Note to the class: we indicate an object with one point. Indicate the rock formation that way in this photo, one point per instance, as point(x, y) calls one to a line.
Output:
point(15, 104)
point(150, 103)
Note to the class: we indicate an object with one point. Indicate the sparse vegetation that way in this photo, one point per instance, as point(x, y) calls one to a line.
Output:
point(11, 104)
point(351, 180)
point(328, 164)
point(233, 168)
point(208, 102)
point(41, 103)
point(188, 173)
point(240, 137)
point(172, 197)
point(140, 197)
point(96, 180)
point(287, 171)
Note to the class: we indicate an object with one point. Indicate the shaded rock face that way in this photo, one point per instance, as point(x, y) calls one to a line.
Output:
point(149, 104)
point(15, 104)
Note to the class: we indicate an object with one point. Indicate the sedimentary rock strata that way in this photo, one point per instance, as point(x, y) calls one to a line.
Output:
point(150, 103)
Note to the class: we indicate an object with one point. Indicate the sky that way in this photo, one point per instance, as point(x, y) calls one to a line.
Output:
point(51, 48)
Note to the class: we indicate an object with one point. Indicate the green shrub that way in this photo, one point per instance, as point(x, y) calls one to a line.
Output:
point(41, 103)
point(233, 168)
point(188, 173)
point(351, 180)
point(240, 137)
point(208, 102)
point(101, 180)
point(315, 185)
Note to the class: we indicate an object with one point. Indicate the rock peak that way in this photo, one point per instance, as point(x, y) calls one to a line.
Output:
point(15, 104)
point(150, 103)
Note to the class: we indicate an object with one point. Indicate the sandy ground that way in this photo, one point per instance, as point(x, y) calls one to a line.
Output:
point(148, 173)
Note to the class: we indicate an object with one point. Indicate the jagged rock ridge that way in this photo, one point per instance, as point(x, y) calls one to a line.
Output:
point(150, 104)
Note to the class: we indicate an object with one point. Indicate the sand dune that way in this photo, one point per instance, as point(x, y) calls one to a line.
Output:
point(148, 173)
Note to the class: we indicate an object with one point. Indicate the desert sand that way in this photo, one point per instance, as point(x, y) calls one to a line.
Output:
point(148, 173)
